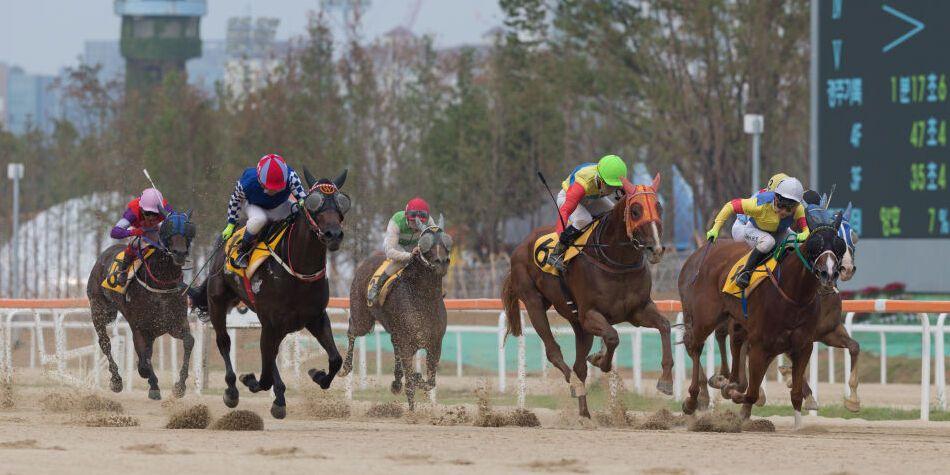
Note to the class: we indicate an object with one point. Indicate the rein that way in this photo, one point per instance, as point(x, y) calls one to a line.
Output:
point(602, 260)
point(288, 266)
point(148, 271)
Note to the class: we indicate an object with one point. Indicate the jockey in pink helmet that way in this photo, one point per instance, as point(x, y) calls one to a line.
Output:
point(142, 218)
point(265, 190)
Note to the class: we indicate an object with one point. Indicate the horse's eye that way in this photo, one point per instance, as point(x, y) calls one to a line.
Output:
point(636, 210)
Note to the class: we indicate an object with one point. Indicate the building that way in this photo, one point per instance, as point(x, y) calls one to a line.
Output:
point(158, 37)
point(3, 95)
point(29, 101)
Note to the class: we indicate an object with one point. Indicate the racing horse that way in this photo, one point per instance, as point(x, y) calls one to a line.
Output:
point(290, 291)
point(607, 283)
point(153, 303)
point(413, 312)
point(781, 316)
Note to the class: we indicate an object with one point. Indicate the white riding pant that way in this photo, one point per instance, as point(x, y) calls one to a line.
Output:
point(587, 209)
point(258, 217)
point(753, 236)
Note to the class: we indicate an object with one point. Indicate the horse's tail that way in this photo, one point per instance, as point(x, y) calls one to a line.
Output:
point(199, 296)
point(512, 309)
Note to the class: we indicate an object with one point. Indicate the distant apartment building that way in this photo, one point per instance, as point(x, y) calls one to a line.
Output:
point(28, 101)
point(3, 95)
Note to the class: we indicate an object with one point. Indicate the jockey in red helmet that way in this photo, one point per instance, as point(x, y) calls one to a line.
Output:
point(266, 191)
point(402, 235)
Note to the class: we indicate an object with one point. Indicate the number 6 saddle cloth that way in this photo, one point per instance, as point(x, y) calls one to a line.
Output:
point(545, 244)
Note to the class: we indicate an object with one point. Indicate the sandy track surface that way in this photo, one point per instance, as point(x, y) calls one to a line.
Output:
point(34, 441)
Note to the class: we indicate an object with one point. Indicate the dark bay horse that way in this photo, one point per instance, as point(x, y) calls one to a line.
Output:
point(286, 299)
point(413, 313)
point(609, 281)
point(153, 304)
point(781, 317)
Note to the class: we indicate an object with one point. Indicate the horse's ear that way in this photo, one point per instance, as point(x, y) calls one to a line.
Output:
point(340, 180)
point(442, 221)
point(656, 182)
point(838, 217)
point(846, 216)
point(628, 187)
point(309, 177)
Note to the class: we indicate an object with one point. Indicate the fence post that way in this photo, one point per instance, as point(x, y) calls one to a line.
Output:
point(522, 363)
point(831, 365)
point(924, 367)
point(379, 353)
point(940, 362)
point(297, 357)
point(198, 357)
point(501, 352)
point(848, 324)
point(679, 359)
point(637, 360)
point(59, 334)
point(129, 357)
point(161, 354)
point(883, 358)
point(710, 355)
point(813, 374)
point(361, 341)
point(458, 354)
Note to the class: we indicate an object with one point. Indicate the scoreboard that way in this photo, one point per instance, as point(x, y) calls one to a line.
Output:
point(883, 107)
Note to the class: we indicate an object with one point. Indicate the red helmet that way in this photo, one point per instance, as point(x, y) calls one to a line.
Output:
point(272, 172)
point(417, 208)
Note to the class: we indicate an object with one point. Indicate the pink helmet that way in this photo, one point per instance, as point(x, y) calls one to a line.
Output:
point(152, 201)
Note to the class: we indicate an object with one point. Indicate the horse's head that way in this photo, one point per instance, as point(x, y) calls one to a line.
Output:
point(176, 233)
point(642, 217)
point(823, 250)
point(435, 245)
point(325, 208)
point(850, 237)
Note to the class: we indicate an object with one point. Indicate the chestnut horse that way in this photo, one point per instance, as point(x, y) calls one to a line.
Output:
point(781, 316)
point(608, 282)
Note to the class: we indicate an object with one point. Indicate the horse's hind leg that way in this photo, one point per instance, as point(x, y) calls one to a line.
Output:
point(652, 318)
point(223, 340)
point(799, 363)
point(758, 365)
point(721, 378)
point(396, 386)
point(320, 328)
point(183, 333)
point(583, 342)
point(143, 348)
point(101, 317)
point(694, 338)
point(433, 355)
point(537, 313)
point(348, 360)
point(594, 323)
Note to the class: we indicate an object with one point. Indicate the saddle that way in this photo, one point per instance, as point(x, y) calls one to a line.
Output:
point(758, 275)
point(268, 240)
point(545, 244)
point(111, 280)
point(387, 285)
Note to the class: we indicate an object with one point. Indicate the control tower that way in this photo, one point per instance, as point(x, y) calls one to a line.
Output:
point(158, 36)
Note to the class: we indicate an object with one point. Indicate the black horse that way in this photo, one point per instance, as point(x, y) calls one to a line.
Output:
point(290, 292)
point(153, 303)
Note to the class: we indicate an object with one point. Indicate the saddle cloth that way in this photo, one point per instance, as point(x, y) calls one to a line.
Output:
point(259, 254)
point(545, 244)
point(758, 275)
point(384, 291)
point(110, 280)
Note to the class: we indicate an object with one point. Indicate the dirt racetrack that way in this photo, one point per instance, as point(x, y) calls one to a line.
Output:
point(33, 440)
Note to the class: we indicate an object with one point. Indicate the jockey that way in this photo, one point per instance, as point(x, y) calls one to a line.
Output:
point(591, 190)
point(402, 234)
point(769, 215)
point(141, 218)
point(266, 190)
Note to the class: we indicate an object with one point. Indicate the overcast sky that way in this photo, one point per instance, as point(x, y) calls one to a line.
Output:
point(43, 36)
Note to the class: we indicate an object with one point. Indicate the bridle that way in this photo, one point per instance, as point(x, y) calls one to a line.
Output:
point(649, 214)
point(327, 190)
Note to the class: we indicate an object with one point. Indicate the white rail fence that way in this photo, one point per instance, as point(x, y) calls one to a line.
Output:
point(91, 361)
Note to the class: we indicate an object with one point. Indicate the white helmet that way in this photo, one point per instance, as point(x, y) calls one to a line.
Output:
point(792, 189)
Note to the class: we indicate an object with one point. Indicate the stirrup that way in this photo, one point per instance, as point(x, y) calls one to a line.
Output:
point(557, 261)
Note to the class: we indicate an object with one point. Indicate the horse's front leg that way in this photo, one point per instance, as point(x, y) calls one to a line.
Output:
point(143, 348)
point(583, 342)
point(183, 333)
point(319, 327)
point(652, 318)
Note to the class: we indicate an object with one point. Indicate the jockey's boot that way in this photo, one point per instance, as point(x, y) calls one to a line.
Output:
point(744, 276)
point(556, 258)
point(122, 270)
point(244, 250)
point(375, 288)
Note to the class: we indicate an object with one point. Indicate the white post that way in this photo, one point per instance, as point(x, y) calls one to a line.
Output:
point(813, 374)
point(924, 367)
point(754, 124)
point(198, 356)
point(883, 359)
point(297, 357)
point(940, 362)
point(161, 354)
point(129, 357)
point(379, 353)
point(679, 360)
point(522, 363)
point(779, 361)
point(15, 173)
point(33, 331)
point(417, 358)
point(59, 334)
point(710, 355)
point(361, 342)
point(848, 323)
point(831, 366)
point(501, 352)
point(232, 333)
point(458, 354)
point(637, 360)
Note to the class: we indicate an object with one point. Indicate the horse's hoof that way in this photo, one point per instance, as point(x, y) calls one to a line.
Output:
point(116, 385)
point(665, 387)
point(726, 390)
point(703, 402)
point(395, 387)
point(853, 405)
point(746, 412)
point(179, 391)
point(320, 377)
point(279, 412)
point(598, 360)
point(737, 396)
point(231, 397)
point(761, 400)
point(155, 394)
point(810, 403)
point(718, 381)
point(250, 381)
point(689, 406)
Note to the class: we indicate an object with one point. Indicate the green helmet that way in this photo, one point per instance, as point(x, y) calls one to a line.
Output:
point(611, 169)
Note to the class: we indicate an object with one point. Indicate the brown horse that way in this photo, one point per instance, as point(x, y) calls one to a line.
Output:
point(413, 313)
point(781, 315)
point(152, 304)
point(287, 297)
point(608, 283)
